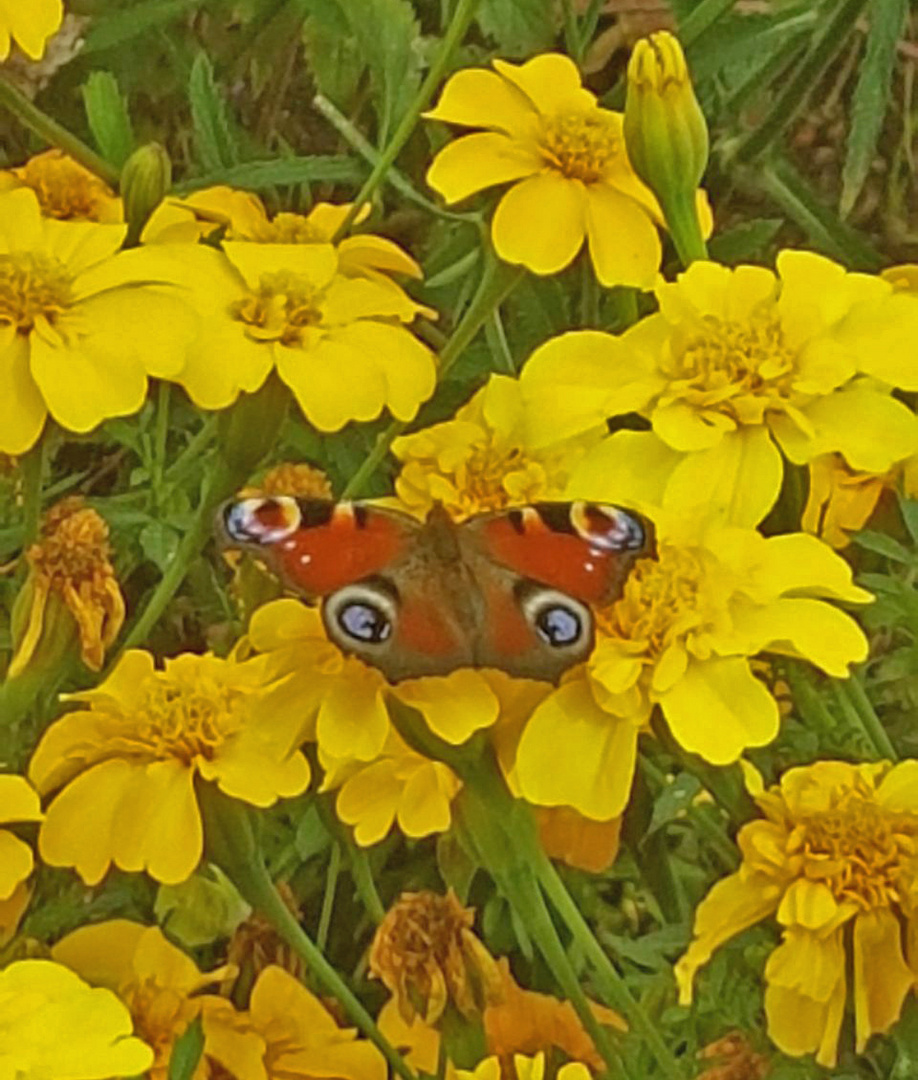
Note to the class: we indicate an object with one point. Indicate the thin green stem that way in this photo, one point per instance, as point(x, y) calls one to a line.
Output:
point(502, 357)
point(455, 32)
point(32, 469)
point(681, 213)
point(364, 883)
point(701, 18)
point(858, 711)
point(328, 899)
point(160, 438)
point(51, 132)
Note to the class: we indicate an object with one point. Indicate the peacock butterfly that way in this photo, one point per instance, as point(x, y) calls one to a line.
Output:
point(509, 590)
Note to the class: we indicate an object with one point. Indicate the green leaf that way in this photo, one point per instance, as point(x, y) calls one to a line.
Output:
point(108, 118)
point(186, 1052)
point(909, 510)
point(518, 27)
point(256, 175)
point(159, 543)
point(108, 31)
point(213, 142)
point(333, 55)
point(884, 545)
point(387, 35)
point(749, 239)
point(871, 97)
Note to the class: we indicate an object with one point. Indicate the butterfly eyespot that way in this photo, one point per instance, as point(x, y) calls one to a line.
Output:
point(559, 626)
point(364, 622)
point(260, 520)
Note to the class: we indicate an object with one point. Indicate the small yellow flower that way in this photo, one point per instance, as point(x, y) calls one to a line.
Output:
point(572, 180)
point(479, 461)
point(53, 1025)
point(158, 983)
point(340, 702)
point(427, 956)
point(337, 342)
point(680, 637)
point(286, 1034)
point(835, 861)
point(65, 189)
point(29, 25)
point(128, 760)
point(400, 785)
point(737, 367)
point(65, 300)
point(18, 802)
point(71, 579)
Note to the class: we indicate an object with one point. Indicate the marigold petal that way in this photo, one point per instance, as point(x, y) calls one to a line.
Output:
point(21, 223)
point(284, 622)
point(369, 801)
point(539, 223)
point(803, 565)
point(256, 769)
point(454, 706)
point(808, 904)
point(881, 976)
point(224, 362)
point(898, 790)
point(719, 708)
point(241, 1053)
point(102, 953)
point(686, 428)
point(478, 161)
point(630, 467)
point(22, 407)
point(425, 805)
point(406, 363)
point(81, 245)
point(18, 800)
point(551, 81)
point(316, 262)
point(353, 721)
point(366, 250)
point(882, 335)
point(333, 382)
point(572, 753)
point(624, 243)
point(16, 862)
point(476, 97)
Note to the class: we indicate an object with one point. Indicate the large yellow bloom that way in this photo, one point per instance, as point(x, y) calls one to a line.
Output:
point(835, 861)
point(286, 1034)
point(66, 299)
point(480, 461)
point(340, 702)
point(338, 342)
point(680, 637)
point(18, 802)
point(567, 160)
point(158, 983)
point(737, 367)
point(29, 25)
point(128, 760)
point(53, 1025)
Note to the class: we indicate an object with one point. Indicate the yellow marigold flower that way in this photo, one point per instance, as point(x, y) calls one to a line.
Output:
point(737, 367)
point(425, 953)
point(18, 802)
point(286, 1034)
point(480, 460)
point(400, 785)
point(680, 637)
point(340, 702)
point(835, 861)
point(293, 478)
point(158, 983)
point(204, 214)
point(572, 180)
point(53, 1025)
point(841, 500)
point(65, 299)
point(521, 1067)
point(65, 189)
point(71, 578)
point(337, 342)
point(29, 26)
point(127, 763)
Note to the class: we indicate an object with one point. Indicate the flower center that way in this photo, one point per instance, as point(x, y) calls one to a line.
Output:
point(73, 547)
point(492, 480)
point(725, 364)
point(581, 145)
point(863, 853)
point(64, 190)
point(32, 286)
point(283, 306)
point(660, 601)
point(286, 228)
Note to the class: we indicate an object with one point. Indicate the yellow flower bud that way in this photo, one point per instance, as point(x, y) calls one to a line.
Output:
point(145, 179)
point(666, 135)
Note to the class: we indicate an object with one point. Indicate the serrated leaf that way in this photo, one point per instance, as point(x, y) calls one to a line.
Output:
point(159, 543)
point(108, 117)
point(871, 97)
point(108, 31)
point(386, 33)
point(214, 143)
point(186, 1052)
point(333, 55)
point(518, 27)
point(256, 175)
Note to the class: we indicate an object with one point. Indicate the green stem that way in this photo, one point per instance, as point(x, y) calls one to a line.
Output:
point(32, 469)
point(701, 18)
point(328, 900)
point(52, 132)
point(860, 713)
point(459, 24)
point(364, 883)
point(681, 213)
point(160, 438)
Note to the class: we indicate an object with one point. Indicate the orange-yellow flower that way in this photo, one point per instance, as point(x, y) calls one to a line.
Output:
point(681, 637)
point(566, 158)
point(159, 984)
point(29, 25)
point(127, 762)
point(71, 587)
point(66, 189)
point(835, 860)
point(18, 802)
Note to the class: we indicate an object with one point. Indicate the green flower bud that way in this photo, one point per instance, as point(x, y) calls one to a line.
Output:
point(145, 180)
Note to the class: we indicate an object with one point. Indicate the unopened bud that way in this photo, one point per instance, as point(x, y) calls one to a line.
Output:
point(145, 180)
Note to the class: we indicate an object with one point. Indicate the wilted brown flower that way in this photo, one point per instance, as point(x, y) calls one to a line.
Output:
point(426, 954)
point(256, 944)
point(70, 578)
point(733, 1059)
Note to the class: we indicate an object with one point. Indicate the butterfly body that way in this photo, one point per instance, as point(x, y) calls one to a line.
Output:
point(510, 590)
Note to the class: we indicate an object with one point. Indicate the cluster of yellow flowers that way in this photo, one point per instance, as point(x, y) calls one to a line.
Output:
point(740, 375)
